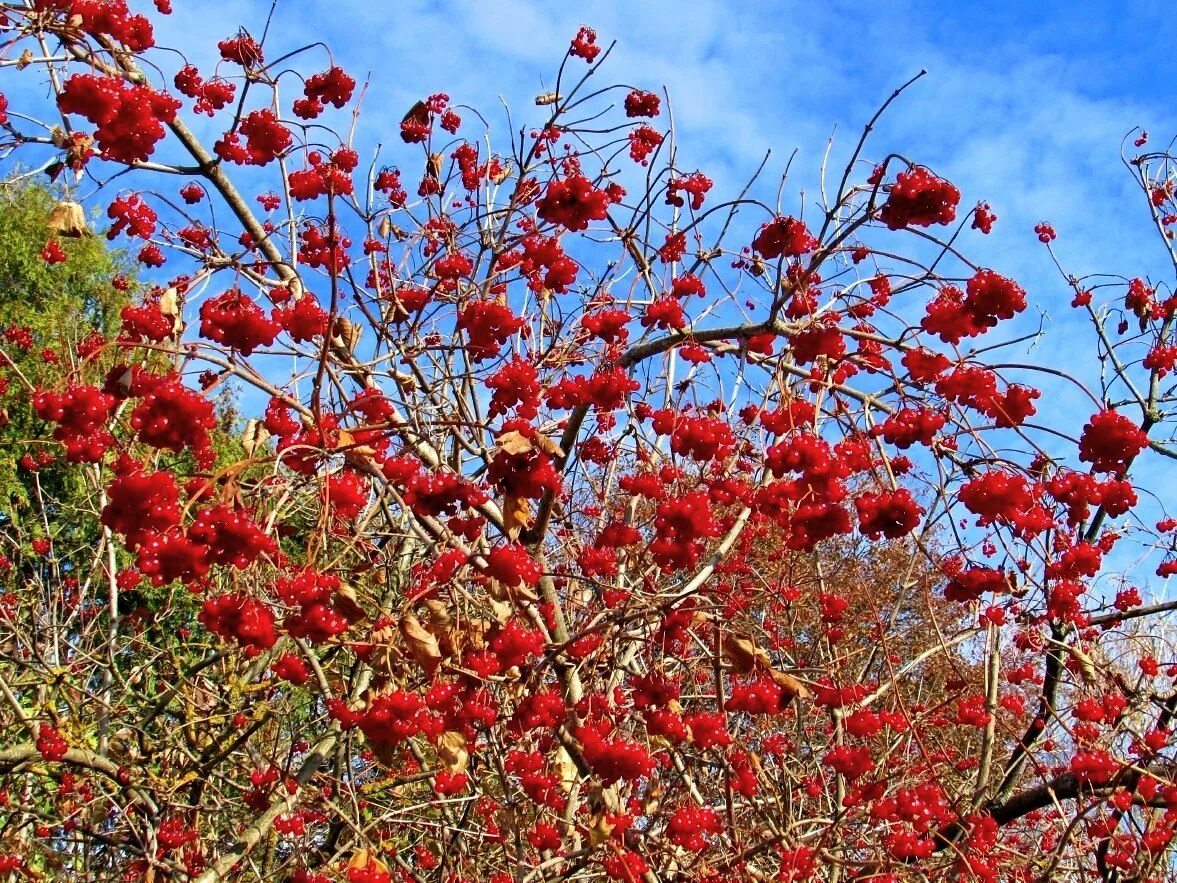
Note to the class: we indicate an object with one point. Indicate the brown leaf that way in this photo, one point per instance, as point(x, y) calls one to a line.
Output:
point(546, 98)
point(740, 652)
point(385, 227)
point(433, 166)
point(68, 219)
point(501, 611)
point(566, 769)
point(77, 150)
point(441, 624)
point(383, 653)
point(503, 174)
point(420, 643)
point(514, 442)
point(346, 334)
point(502, 592)
point(793, 687)
point(451, 751)
point(516, 515)
point(346, 602)
point(600, 830)
point(255, 437)
point(440, 617)
point(549, 446)
point(418, 115)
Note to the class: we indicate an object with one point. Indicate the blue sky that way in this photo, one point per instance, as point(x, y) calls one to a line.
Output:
point(1025, 105)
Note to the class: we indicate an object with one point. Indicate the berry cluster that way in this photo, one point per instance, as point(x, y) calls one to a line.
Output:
point(919, 198)
point(234, 320)
point(573, 202)
point(130, 119)
point(784, 236)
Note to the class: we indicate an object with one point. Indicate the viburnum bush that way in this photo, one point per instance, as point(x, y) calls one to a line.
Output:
point(575, 520)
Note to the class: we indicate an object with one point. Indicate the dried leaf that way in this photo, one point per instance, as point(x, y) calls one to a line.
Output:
point(346, 334)
point(600, 830)
point(346, 602)
point(420, 643)
point(514, 442)
point(68, 219)
point(516, 515)
point(740, 652)
point(440, 618)
point(385, 227)
point(169, 303)
point(549, 446)
point(451, 751)
point(501, 611)
point(418, 115)
point(566, 769)
point(77, 151)
point(546, 98)
point(502, 174)
point(1086, 665)
point(441, 624)
point(501, 592)
point(352, 449)
point(475, 633)
point(255, 437)
point(793, 687)
point(26, 58)
point(433, 166)
point(383, 653)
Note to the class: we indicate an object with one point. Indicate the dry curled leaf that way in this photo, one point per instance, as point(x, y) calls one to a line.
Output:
point(514, 442)
point(740, 652)
point(346, 334)
point(346, 602)
point(793, 688)
point(433, 166)
point(566, 769)
point(516, 515)
point(546, 98)
point(501, 611)
point(451, 751)
point(440, 617)
point(68, 218)
point(501, 592)
point(744, 656)
point(418, 115)
point(169, 302)
point(421, 643)
point(255, 437)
